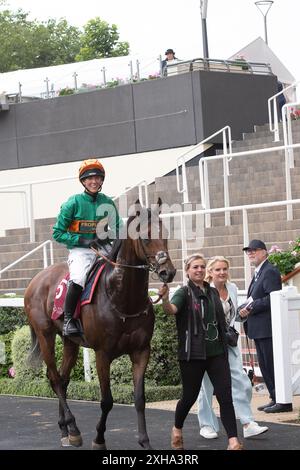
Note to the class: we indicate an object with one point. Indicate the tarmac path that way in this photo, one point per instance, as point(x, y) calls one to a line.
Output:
point(31, 424)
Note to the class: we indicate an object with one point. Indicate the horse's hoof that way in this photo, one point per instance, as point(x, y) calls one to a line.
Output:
point(65, 442)
point(146, 445)
point(96, 446)
point(75, 441)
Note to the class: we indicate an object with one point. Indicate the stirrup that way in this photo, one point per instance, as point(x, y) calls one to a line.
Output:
point(71, 328)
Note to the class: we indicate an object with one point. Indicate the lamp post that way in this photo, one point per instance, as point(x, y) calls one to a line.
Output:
point(203, 9)
point(264, 7)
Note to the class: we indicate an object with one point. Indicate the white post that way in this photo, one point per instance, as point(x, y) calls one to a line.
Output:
point(247, 270)
point(183, 246)
point(51, 253)
point(225, 178)
point(281, 353)
point(86, 364)
point(31, 215)
point(142, 185)
point(45, 256)
point(206, 192)
point(288, 184)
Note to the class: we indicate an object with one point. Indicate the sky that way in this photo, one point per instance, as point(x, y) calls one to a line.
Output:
point(153, 26)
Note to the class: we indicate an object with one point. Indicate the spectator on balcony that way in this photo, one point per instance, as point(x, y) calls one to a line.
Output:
point(202, 347)
point(217, 274)
point(170, 59)
point(257, 314)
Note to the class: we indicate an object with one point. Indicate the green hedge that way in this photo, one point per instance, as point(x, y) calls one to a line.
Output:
point(11, 318)
point(21, 345)
point(90, 391)
point(162, 368)
point(162, 376)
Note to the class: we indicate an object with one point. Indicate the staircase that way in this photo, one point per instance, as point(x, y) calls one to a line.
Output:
point(253, 180)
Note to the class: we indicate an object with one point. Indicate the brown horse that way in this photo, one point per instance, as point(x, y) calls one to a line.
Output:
point(119, 321)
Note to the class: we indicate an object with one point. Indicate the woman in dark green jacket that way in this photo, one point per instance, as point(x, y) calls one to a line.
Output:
point(201, 347)
point(76, 227)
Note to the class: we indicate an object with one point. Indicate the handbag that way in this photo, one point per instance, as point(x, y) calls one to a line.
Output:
point(232, 336)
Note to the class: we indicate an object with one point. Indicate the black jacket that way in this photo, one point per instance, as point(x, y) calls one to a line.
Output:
point(258, 324)
point(185, 325)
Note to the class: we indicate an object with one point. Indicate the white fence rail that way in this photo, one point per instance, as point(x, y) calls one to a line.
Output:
point(42, 246)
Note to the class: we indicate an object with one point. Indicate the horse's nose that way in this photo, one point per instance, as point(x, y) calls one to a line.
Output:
point(167, 275)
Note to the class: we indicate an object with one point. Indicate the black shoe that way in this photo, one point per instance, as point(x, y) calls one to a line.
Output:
point(262, 407)
point(279, 408)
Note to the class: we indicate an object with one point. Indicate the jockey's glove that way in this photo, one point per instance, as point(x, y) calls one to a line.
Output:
point(86, 242)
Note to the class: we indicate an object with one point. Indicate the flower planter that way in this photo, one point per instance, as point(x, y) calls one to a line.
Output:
point(292, 278)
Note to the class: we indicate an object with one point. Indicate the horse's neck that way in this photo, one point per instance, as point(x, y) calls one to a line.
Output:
point(129, 286)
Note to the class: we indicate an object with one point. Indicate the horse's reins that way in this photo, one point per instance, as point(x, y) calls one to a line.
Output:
point(121, 265)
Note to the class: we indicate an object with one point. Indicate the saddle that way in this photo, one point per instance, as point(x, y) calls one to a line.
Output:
point(87, 293)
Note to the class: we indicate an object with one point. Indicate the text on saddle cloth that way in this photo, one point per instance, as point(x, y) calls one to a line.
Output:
point(86, 296)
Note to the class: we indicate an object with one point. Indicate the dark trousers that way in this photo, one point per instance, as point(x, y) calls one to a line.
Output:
point(218, 371)
point(264, 349)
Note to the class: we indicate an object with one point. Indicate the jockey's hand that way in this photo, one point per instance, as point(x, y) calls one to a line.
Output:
point(163, 292)
point(86, 242)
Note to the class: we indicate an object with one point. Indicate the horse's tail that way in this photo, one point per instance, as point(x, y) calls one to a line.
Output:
point(35, 355)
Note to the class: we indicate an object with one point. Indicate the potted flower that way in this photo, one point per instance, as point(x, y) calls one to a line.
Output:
point(286, 261)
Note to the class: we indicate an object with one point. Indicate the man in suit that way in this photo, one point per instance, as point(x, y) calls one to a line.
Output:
point(258, 325)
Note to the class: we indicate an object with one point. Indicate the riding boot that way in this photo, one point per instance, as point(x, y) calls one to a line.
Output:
point(70, 326)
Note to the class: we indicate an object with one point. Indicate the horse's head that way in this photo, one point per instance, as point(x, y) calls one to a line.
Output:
point(149, 236)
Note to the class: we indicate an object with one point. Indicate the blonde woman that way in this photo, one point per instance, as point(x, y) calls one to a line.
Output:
point(217, 275)
point(202, 347)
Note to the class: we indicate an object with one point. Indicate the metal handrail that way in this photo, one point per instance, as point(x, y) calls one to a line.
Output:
point(243, 208)
point(239, 65)
point(272, 103)
point(204, 188)
point(45, 257)
point(29, 185)
point(203, 174)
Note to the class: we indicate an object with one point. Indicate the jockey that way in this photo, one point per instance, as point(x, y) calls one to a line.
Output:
point(76, 226)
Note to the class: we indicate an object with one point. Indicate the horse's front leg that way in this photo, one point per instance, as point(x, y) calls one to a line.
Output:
point(103, 370)
point(139, 361)
point(70, 434)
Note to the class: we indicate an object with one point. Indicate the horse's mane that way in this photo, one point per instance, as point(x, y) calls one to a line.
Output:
point(123, 233)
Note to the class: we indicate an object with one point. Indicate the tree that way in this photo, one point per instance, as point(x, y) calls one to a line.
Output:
point(100, 40)
point(56, 43)
point(30, 44)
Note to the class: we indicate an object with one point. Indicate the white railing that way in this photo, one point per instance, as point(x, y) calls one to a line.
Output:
point(204, 185)
point(243, 208)
point(29, 198)
point(42, 246)
point(273, 116)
